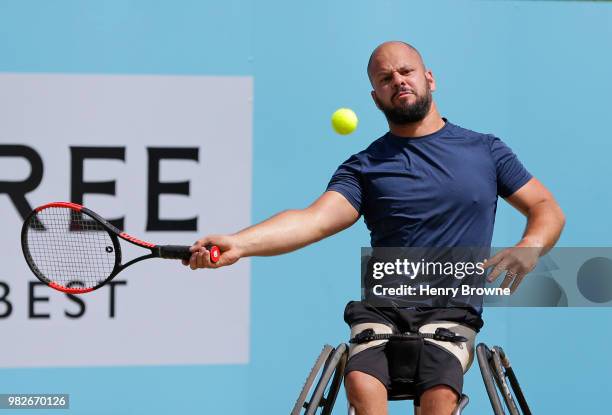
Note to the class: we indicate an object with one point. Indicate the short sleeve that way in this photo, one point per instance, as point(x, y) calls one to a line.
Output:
point(511, 174)
point(347, 181)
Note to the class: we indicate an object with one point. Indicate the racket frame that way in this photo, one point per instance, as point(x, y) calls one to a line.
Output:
point(157, 251)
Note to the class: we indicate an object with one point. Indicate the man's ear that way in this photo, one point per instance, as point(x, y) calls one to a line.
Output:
point(430, 80)
point(375, 99)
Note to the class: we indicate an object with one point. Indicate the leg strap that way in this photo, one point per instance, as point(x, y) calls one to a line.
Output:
point(463, 351)
point(378, 328)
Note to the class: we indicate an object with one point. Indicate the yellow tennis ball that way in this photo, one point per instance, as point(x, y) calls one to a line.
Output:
point(344, 121)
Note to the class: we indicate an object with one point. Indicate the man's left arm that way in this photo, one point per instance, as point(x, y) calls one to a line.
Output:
point(545, 221)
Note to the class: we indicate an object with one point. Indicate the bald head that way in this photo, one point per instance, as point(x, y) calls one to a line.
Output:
point(385, 49)
point(401, 85)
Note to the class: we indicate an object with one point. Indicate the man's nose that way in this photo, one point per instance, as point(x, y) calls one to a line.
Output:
point(398, 79)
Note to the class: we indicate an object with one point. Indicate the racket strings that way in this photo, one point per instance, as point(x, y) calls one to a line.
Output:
point(70, 249)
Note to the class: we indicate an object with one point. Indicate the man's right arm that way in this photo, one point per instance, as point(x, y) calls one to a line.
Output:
point(282, 233)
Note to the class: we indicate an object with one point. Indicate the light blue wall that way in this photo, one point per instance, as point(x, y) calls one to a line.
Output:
point(537, 74)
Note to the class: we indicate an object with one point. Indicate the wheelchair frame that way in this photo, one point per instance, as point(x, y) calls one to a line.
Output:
point(329, 367)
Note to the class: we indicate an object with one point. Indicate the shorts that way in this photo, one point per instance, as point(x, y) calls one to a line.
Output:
point(436, 366)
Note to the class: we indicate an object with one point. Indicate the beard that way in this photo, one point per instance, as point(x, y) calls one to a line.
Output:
point(408, 113)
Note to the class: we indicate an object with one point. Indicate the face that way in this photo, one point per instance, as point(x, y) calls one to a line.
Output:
point(402, 86)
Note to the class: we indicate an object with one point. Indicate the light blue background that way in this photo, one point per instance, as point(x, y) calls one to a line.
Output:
point(537, 74)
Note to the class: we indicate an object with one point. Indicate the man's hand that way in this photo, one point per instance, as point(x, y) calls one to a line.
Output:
point(517, 262)
point(200, 257)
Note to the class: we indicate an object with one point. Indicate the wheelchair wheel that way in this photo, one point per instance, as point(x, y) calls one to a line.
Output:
point(495, 369)
point(317, 392)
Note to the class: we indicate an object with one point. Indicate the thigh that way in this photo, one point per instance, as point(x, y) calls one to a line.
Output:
point(372, 361)
point(438, 400)
point(365, 394)
point(437, 367)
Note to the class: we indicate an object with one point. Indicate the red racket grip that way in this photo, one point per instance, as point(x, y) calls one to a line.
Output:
point(215, 253)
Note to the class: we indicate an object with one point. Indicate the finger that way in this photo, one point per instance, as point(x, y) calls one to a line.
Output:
point(193, 261)
point(494, 260)
point(197, 245)
point(185, 261)
point(517, 281)
point(205, 258)
point(510, 276)
point(499, 268)
point(200, 243)
point(202, 258)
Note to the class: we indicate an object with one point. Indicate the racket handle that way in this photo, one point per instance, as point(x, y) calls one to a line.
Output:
point(183, 252)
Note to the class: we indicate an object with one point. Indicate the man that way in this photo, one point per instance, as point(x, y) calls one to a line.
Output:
point(426, 182)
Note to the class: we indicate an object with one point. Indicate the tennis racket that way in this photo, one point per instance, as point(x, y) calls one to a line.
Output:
point(74, 250)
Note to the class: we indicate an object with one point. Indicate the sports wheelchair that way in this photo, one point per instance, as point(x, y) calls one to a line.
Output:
point(322, 385)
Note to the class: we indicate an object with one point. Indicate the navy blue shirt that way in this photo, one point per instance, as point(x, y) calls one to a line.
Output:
point(439, 190)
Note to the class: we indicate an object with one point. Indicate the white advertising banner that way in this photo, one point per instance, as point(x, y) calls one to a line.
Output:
point(169, 159)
